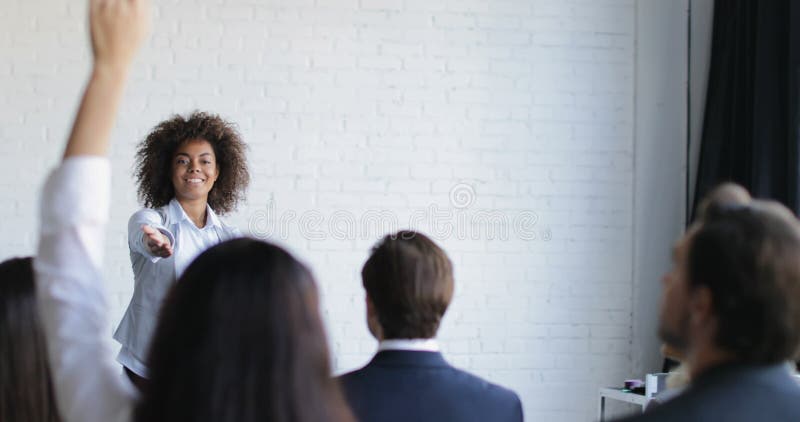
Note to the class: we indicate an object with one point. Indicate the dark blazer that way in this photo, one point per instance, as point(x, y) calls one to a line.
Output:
point(733, 393)
point(421, 386)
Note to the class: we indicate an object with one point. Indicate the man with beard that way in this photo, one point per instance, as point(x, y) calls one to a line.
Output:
point(731, 305)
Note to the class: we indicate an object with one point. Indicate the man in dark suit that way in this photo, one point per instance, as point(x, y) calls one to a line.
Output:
point(409, 285)
point(731, 304)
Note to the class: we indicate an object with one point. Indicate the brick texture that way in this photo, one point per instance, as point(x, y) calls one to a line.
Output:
point(504, 128)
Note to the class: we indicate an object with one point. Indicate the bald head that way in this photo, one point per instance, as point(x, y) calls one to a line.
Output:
point(726, 194)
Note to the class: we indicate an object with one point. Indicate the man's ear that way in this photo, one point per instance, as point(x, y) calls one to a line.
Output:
point(370, 306)
point(701, 306)
point(372, 320)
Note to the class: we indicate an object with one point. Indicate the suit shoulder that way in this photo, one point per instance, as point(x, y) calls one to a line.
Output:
point(483, 386)
point(450, 393)
point(354, 375)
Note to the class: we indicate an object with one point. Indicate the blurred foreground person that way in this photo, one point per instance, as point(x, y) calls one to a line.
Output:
point(26, 390)
point(731, 306)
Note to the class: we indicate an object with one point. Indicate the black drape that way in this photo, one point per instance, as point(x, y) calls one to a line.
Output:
point(751, 128)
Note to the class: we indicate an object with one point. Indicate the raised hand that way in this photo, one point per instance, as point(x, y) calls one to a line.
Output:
point(156, 241)
point(118, 28)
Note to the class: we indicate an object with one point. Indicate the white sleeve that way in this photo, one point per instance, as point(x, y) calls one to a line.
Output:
point(136, 236)
point(89, 385)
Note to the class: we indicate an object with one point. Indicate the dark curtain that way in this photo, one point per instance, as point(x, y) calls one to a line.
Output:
point(751, 129)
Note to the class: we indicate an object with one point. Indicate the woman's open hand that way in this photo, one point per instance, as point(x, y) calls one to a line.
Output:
point(157, 243)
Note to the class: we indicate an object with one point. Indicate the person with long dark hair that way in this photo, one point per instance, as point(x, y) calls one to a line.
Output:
point(26, 390)
point(240, 337)
point(189, 170)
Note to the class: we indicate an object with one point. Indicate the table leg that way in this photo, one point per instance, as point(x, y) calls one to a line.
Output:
point(601, 410)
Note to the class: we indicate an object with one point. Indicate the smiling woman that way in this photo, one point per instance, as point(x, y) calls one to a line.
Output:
point(189, 170)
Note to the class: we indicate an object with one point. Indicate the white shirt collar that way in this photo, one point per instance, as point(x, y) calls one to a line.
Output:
point(178, 214)
point(415, 344)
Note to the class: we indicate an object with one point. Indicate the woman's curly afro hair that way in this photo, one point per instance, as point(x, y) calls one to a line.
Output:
point(154, 160)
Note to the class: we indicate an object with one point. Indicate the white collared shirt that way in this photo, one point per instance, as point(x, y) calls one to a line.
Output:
point(191, 240)
point(410, 344)
point(89, 387)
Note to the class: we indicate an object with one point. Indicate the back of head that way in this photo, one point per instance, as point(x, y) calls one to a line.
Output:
point(26, 392)
point(240, 339)
point(725, 194)
point(747, 253)
point(409, 280)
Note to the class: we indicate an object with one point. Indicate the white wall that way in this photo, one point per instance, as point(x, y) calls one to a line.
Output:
point(467, 109)
point(660, 170)
point(702, 25)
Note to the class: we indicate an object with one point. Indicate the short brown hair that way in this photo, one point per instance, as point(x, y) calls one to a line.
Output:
point(409, 280)
point(747, 253)
point(154, 160)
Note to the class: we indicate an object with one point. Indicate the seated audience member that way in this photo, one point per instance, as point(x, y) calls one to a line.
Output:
point(409, 284)
point(678, 378)
point(239, 339)
point(26, 391)
point(731, 305)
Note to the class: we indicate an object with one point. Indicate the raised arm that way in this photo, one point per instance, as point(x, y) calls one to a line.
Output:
point(118, 28)
point(74, 211)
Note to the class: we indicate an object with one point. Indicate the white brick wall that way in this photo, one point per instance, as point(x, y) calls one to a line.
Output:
point(357, 105)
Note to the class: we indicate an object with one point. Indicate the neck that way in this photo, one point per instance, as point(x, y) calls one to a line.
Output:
point(706, 358)
point(196, 210)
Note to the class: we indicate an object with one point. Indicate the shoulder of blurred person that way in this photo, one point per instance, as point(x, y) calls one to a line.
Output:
point(731, 305)
point(734, 393)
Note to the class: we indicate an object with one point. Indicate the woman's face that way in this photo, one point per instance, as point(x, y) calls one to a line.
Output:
point(194, 170)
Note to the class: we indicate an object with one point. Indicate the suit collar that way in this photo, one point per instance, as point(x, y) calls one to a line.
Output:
point(409, 358)
point(728, 372)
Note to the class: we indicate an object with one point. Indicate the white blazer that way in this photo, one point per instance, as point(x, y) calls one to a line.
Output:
point(154, 276)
